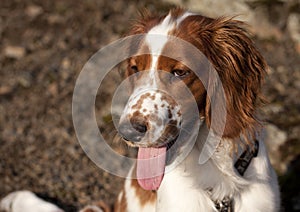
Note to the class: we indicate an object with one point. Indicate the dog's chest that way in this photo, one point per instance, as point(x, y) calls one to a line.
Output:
point(183, 189)
point(194, 187)
point(184, 196)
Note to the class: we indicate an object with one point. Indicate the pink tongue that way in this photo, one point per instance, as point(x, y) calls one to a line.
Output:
point(151, 167)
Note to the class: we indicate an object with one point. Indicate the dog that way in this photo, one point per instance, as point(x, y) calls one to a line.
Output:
point(237, 175)
point(224, 166)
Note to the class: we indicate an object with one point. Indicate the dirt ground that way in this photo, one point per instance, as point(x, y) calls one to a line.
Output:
point(43, 47)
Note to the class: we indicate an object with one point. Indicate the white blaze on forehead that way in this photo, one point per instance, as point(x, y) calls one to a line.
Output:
point(157, 43)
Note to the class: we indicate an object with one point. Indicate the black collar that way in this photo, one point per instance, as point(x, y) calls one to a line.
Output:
point(244, 160)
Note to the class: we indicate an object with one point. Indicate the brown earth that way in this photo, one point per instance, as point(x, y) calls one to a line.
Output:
point(44, 45)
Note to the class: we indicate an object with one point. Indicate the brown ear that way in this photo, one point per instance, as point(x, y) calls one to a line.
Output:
point(240, 67)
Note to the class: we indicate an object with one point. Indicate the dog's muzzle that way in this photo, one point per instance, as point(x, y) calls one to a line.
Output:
point(150, 119)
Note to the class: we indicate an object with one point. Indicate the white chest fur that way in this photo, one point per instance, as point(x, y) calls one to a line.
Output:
point(186, 192)
point(186, 187)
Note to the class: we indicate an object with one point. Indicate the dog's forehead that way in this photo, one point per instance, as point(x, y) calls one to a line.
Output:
point(158, 36)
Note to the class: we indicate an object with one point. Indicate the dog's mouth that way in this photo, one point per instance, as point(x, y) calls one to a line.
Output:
point(151, 163)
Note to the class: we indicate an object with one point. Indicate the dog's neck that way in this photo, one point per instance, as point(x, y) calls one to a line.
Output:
point(191, 182)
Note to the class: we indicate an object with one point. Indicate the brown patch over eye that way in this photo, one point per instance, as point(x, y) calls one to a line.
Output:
point(138, 63)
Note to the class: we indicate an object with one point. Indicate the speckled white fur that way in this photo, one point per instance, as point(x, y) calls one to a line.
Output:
point(155, 99)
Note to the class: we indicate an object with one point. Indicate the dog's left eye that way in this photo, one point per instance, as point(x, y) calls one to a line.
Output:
point(180, 73)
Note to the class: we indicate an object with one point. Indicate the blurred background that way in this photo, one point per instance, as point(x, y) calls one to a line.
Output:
point(45, 43)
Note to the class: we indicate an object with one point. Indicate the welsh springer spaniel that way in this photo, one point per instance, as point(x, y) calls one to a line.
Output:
point(237, 175)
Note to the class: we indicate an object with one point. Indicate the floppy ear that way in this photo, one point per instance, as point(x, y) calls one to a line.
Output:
point(241, 69)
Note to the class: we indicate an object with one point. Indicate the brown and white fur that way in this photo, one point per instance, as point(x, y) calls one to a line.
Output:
point(157, 119)
point(192, 186)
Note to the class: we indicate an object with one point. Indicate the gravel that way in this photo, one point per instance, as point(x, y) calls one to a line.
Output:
point(44, 45)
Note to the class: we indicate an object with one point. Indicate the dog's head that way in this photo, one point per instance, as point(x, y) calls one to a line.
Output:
point(152, 118)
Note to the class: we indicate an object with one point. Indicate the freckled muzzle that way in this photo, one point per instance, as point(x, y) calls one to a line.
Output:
point(151, 118)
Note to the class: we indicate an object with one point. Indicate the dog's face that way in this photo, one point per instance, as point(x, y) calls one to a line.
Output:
point(152, 118)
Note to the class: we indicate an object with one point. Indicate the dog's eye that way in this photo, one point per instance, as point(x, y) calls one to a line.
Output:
point(134, 68)
point(180, 73)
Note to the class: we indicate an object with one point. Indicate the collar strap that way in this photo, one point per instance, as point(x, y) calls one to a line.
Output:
point(244, 160)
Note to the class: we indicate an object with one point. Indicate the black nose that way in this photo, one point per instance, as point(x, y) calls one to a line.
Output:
point(133, 130)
